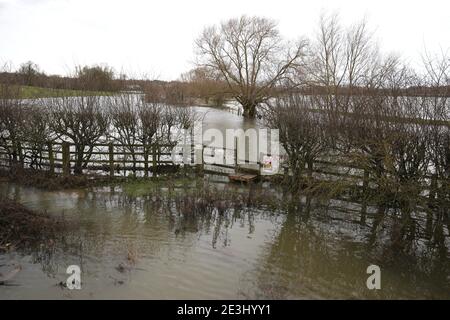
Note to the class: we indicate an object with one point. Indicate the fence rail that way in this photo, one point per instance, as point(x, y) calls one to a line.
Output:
point(116, 159)
point(109, 157)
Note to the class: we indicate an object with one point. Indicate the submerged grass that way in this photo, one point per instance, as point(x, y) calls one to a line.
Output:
point(144, 186)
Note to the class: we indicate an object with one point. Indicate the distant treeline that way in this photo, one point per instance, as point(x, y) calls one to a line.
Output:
point(197, 86)
point(91, 78)
point(413, 91)
point(103, 79)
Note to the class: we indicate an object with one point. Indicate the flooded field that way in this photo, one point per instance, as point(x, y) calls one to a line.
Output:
point(200, 237)
point(219, 241)
point(224, 155)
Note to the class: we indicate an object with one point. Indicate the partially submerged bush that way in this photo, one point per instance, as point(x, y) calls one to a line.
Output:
point(301, 133)
point(21, 228)
point(46, 180)
point(81, 121)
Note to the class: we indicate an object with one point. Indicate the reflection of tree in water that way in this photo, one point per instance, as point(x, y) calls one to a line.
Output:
point(315, 256)
point(321, 249)
point(206, 210)
point(413, 244)
point(301, 261)
point(109, 221)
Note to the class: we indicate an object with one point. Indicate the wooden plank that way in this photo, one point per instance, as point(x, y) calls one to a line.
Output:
point(242, 177)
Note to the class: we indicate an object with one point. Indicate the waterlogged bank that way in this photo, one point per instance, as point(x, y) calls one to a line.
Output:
point(197, 239)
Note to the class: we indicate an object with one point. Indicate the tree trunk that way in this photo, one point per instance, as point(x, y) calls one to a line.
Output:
point(78, 169)
point(249, 109)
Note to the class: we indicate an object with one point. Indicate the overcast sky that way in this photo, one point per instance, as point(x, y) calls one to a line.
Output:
point(156, 37)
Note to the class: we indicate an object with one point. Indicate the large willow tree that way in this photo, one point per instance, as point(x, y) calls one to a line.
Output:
point(251, 56)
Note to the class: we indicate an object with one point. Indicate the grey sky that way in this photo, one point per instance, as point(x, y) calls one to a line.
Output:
point(156, 37)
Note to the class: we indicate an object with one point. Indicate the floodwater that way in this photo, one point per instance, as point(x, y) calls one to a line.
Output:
point(129, 247)
point(317, 249)
point(220, 127)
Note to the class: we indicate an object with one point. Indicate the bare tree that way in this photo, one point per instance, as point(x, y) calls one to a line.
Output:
point(125, 121)
point(150, 116)
point(301, 132)
point(251, 56)
point(437, 108)
point(12, 117)
point(38, 134)
point(81, 121)
point(98, 77)
point(343, 61)
point(206, 84)
point(151, 119)
point(387, 137)
point(29, 71)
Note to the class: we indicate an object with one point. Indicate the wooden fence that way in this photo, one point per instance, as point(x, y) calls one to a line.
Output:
point(116, 159)
point(107, 157)
point(60, 157)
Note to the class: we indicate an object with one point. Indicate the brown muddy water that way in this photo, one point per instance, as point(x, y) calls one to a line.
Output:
point(140, 245)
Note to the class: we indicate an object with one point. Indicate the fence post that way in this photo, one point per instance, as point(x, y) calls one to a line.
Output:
point(365, 180)
point(145, 161)
point(192, 154)
point(111, 160)
point(51, 157)
point(20, 155)
point(260, 162)
point(235, 154)
point(364, 198)
point(66, 158)
point(199, 159)
point(154, 160)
